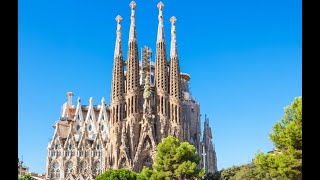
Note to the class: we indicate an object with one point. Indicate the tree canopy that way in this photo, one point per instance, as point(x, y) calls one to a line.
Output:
point(26, 177)
point(119, 174)
point(176, 160)
point(246, 171)
point(285, 161)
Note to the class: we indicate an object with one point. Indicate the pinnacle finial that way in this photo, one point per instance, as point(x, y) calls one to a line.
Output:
point(173, 19)
point(118, 19)
point(132, 33)
point(173, 50)
point(70, 93)
point(160, 5)
point(160, 37)
point(132, 5)
point(117, 50)
point(103, 101)
point(91, 100)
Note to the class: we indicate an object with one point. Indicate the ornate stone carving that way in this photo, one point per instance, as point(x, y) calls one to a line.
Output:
point(147, 95)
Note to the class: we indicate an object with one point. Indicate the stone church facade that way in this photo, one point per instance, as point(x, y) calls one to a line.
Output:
point(149, 101)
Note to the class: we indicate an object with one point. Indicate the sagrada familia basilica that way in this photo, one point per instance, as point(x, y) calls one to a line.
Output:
point(149, 101)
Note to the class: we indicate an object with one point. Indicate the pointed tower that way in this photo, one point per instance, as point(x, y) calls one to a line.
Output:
point(117, 96)
point(161, 81)
point(209, 155)
point(176, 128)
point(133, 88)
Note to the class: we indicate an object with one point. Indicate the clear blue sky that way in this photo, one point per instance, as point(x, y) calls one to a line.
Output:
point(244, 58)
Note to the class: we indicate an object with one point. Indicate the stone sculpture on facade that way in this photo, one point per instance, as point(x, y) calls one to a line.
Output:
point(147, 96)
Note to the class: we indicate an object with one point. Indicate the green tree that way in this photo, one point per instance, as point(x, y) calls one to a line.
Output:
point(26, 177)
point(285, 162)
point(245, 171)
point(229, 173)
point(119, 174)
point(175, 160)
point(146, 173)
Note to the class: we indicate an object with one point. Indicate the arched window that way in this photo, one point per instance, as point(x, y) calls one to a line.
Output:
point(152, 79)
point(55, 171)
point(90, 127)
point(78, 117)
point(102, 127)
point(78, 127)
point(55, 165)
point(56, 147)
point(69, 168)
point(70, 146)
point(96, 170)
point(176, 113)
point(117, 113)
point(125, 110)
point(58, 174)
point(82, 167)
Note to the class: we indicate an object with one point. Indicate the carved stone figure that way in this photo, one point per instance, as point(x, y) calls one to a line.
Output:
point(147, 95)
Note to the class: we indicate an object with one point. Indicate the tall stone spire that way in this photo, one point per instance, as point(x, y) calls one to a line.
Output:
point(173, 49)
point(176, 126)
point(132, 87)
point(118, 48)
point(210, 158)
point(118, 74)
point(132, 34)
point(117, 110)
point(132, 59)
point(161, 81)
point(160, 37)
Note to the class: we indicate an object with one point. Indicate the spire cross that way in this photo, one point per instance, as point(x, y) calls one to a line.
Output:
point(173, 20)
point(160, 6)
point(132, 5)
point(118, 19)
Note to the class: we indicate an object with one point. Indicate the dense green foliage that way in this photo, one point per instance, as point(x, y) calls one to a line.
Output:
point(287, 133)
point(147, 173)
point(246, 171)
point(26, 177)
point(176, 160)
point(285, 162)
point(242, 172)
point(229, 173)
point(120, 174)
